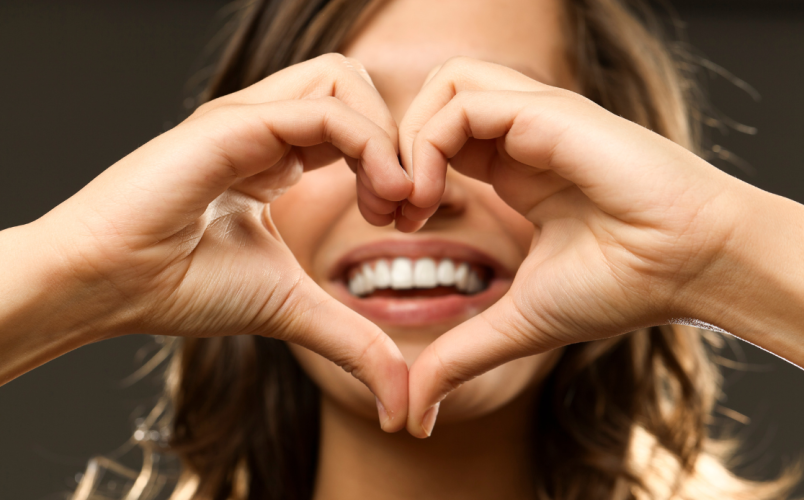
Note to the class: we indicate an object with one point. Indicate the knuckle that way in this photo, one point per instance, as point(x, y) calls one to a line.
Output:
point(205, 108)
point(566, 96)
point(333, 58)
point(327, 68)
point(356, 365)
point(532, 331)
point(448, 371)
point(460, 69)
point(331, 104)
point(333, 61)
point(462, 65)
point(224, 112)
point(353, 64)
point(289, 318)
point(468, 96)
point(459, 63)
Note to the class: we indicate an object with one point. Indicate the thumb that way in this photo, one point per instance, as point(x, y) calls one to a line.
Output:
point(499, 334)
point(313, 319)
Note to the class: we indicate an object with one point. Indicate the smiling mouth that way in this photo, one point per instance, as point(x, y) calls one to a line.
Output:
point(405, 283)
point(424, 277)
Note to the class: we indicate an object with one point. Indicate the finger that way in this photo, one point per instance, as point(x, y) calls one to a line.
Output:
point(549, 140)
point(346, 79)
point(373, 218)
point(173, 178)
point(462, 133)
point(475, 154)
point(481, 135)
point(328, 75)
point(496, 336)
point(370, 201)
point(488, 115)
point(405, 224)
point(351, 341)
point(268, 185)
point(456, 76)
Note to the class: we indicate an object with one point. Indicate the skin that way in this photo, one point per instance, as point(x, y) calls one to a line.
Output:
point(607, 226)
point(319, 218)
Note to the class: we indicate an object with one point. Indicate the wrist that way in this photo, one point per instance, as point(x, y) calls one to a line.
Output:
point(46, 310)
point(755, 288)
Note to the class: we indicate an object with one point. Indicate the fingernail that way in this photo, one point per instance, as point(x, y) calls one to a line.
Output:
point(429, 419)
point(382, 412)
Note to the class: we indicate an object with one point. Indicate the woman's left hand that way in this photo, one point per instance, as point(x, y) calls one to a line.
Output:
point(629, 226)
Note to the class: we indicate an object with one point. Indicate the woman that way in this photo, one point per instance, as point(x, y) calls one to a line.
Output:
point(504, 286)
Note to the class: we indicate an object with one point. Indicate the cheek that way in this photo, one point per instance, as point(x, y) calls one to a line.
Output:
point(512, 222)
point(305, 212)
point(498, 387)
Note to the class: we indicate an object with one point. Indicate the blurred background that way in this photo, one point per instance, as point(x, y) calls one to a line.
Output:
point(88, 81)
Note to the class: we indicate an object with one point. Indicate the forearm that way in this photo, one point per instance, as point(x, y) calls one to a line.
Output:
point(43, 311)
point(757, 289)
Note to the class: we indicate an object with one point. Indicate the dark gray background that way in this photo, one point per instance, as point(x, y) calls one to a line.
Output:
point(86, 82)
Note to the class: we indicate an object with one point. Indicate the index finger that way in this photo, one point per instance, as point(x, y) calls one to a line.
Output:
point(328, 75)
point(455, 76)
point(382, 187)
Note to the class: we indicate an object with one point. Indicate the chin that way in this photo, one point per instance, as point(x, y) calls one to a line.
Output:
point(474, 399)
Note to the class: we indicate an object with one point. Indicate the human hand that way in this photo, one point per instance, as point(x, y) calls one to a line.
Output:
point(177, 238)
point(627, 223)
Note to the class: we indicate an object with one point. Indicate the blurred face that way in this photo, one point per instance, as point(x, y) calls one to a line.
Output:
point(418, 286)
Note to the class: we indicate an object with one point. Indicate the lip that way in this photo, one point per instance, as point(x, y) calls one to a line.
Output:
point(419, 311)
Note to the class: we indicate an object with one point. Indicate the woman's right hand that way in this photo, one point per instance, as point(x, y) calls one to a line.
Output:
point(177, 239)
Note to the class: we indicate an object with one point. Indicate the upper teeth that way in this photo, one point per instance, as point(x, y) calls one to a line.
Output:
point(404, 274)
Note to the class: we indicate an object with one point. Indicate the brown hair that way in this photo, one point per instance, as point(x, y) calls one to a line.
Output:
point(624, 418)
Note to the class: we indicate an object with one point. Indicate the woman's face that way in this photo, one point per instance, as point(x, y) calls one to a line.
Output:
point(418, 286)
